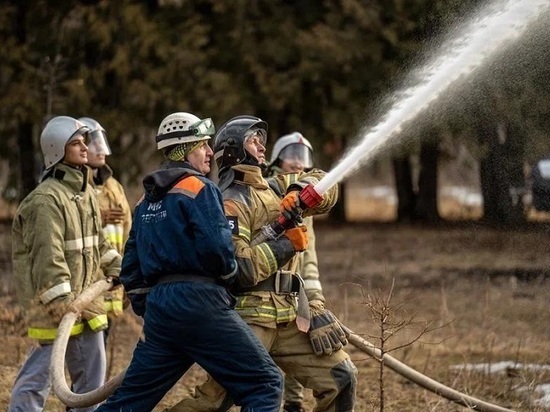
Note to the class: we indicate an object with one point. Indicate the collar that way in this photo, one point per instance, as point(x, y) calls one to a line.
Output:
point(249, 175)
point(75, 178)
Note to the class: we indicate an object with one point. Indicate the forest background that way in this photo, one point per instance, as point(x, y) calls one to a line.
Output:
point(324, 68)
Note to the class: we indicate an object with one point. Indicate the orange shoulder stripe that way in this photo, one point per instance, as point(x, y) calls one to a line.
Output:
point(190, 184)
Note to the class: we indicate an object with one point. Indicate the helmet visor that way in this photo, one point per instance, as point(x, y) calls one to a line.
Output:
point(298, 155)
point(203, 128)
point(98, 143)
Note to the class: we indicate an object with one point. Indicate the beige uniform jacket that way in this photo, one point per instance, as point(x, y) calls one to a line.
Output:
point(250, 203)
point(58, 248)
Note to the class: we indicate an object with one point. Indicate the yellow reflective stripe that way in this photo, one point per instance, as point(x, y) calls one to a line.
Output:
point(244, 232)
point(268, 312)
point(98, 322)
point(289, 179)
point(80, 243)
point(114, 238)
point(110, 305)
point(269, 257)
point(49, 334)
point(55, 291)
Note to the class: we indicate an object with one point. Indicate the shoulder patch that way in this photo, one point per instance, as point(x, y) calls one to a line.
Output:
point(190, 186)
point(233, 224)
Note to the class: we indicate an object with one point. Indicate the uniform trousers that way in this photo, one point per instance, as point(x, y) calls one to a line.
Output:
point(332, 378)
point(85, 359)
point(188, 322)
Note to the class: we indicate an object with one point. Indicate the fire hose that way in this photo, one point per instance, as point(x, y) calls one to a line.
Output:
point(57, 366)
point(309, 197)
point(82, 400)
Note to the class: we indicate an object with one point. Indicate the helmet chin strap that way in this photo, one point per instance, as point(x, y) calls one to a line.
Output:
point(252, 161)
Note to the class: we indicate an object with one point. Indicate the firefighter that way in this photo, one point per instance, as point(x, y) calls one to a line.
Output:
point(293, 153)
point(270, 297)
point(178, 262)
point(116, 216)
point(59, 250)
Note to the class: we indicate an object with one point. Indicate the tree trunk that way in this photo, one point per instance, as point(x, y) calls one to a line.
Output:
point(27, 166)
point(426, 206)
point(501, 176)
point(406, 198)
point(338, 212)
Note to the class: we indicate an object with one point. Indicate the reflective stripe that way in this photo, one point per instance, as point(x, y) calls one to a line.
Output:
point(80, 243)
point(268, 312)
point(60, 289)
point(313, 285)
point(113, 305)
point(108, 256)
point(265, 311)
point(114, 238)
point(138, 291)
point(244, 232)
point(230, 275)
point(269, 257)
point(50, 334)
point(98, 323)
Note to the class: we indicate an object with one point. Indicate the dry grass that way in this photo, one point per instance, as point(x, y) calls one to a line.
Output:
point(488, 289)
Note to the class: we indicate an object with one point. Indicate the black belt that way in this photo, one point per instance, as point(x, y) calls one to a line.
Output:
point(185, 278)
point(281, 282)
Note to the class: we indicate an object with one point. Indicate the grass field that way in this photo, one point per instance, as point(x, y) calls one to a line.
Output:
point(481, 293)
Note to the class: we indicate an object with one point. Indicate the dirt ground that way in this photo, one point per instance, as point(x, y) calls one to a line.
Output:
point(462, 294)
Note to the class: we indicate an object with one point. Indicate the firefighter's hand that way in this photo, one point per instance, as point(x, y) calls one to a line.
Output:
point(290, 207)
point(58, 307)
point(325, 333)
point(298, 237)
point(113, 215)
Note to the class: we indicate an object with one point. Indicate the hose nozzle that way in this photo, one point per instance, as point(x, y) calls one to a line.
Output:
point(309, 197)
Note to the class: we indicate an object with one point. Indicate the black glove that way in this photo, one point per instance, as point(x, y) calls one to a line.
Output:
point(325, 334)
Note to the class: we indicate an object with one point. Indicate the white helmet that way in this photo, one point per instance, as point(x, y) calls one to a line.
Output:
point(182, 127)
point(57, 133)
point(98, 137)
point(293, 145)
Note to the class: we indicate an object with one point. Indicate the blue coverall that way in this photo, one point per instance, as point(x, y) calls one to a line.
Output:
point(180, 247)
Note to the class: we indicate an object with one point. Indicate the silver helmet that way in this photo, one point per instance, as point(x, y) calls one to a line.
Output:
point(57, 133)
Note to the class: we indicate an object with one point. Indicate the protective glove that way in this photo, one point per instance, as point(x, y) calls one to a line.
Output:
point(325, 334)
point(298, 237)
point(290, 207)
point(113, 215)
point(114, 299)
point(95, 315)
point(58, 307)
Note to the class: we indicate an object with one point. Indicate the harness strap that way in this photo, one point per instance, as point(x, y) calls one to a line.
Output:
point(282, 282)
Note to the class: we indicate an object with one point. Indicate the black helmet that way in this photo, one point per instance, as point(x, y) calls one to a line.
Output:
point(229, 141)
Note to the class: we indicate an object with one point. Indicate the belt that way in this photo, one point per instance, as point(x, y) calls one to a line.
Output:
point(185, 278)
point(284, 282)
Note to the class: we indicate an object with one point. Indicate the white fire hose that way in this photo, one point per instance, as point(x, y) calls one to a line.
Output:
point(57, 366)
point(81, 400)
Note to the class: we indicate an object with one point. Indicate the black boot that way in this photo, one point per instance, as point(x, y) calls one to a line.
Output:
point(293, 407)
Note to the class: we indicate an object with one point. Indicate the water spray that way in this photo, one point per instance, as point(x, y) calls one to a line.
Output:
point(478, 42)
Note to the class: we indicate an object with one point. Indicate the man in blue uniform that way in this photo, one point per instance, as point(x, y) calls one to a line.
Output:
point(178, 262)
